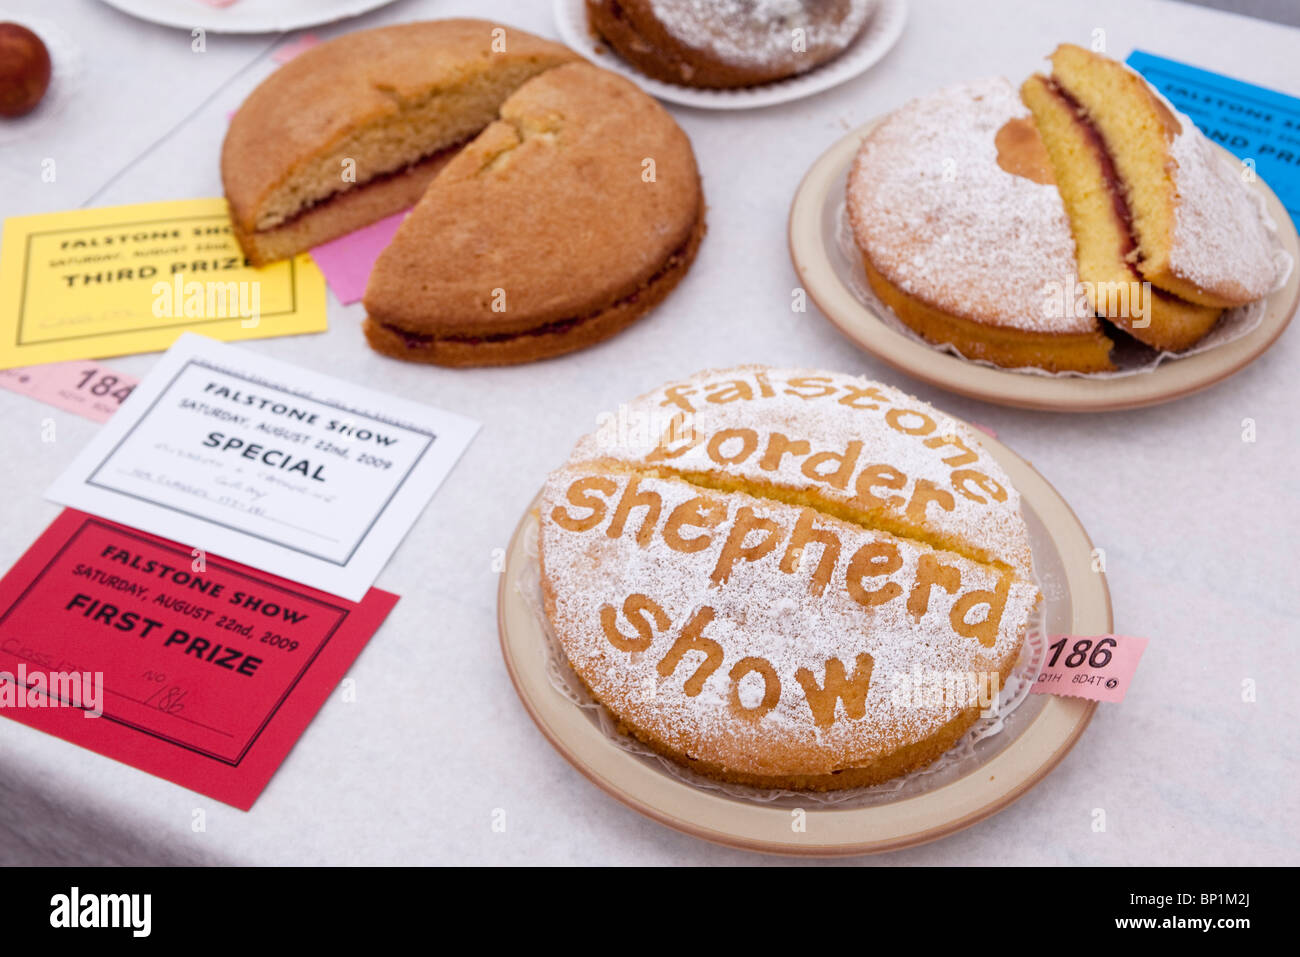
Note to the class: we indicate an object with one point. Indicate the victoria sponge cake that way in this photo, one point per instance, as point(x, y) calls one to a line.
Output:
point(1026, 228)
point(765, 572)
point(572, 214)
point(354, 129)
point(955, 210)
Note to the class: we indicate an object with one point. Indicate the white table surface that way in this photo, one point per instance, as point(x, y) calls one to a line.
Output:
point(1199, 527)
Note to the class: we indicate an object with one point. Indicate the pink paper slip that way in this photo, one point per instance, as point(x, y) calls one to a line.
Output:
point(347, 261)
point(287, 51)
point(1099, 667)
point(85, 387)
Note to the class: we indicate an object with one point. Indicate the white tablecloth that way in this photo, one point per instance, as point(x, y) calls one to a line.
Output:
point(1199, 527)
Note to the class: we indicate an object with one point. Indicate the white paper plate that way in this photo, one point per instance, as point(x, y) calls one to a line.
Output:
point(245, 16)
point(877, 37)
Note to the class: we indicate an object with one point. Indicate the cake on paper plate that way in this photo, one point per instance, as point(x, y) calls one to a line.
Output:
point(756, 585)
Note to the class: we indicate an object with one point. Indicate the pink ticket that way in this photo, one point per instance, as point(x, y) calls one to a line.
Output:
point(347, 261)
point(86, 387)
point(287, 51)
point(1099, 667)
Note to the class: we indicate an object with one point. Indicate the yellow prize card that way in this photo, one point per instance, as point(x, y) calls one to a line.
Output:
point(92, 283)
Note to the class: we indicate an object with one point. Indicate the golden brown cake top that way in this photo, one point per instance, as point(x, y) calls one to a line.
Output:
point(575, 198)
point(936, 208)
point(768, 636)
point(329, 92)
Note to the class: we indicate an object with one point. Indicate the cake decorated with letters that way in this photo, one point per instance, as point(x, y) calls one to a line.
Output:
point(765, 574)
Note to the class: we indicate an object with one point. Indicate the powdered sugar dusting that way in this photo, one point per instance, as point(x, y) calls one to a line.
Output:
point(762, 33)
point(759, 612)
point(944, 222)
point(788, 598)
point(962, 758)
point(827, 411)
point(1220, 241)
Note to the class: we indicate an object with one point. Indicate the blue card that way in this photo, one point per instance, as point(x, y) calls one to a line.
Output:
point(1252, 122)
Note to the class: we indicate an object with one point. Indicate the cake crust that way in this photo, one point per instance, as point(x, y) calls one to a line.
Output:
point(384, 98)
point(546, 342)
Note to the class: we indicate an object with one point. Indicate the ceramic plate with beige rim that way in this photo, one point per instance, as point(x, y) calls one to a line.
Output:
point(999, 769)
point(828, 274)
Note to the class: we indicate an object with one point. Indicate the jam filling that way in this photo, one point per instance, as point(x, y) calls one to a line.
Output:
point(419, 340)
point(435, 156)
point(1114, 186)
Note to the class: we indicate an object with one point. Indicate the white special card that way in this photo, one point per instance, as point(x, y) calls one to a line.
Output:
point(296, 473)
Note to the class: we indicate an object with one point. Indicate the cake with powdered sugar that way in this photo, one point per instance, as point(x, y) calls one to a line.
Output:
point(1022, 228)
point(954, 206)
point(728, 43)
point(1148, 197)
point(757, 571)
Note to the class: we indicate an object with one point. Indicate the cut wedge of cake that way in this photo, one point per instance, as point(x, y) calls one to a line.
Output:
point(1102, 225)
point(355, 129)
point(1197, 230)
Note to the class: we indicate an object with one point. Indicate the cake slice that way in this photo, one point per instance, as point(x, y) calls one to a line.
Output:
point(1102, 225)
point(355, 129)
point(1197, 229)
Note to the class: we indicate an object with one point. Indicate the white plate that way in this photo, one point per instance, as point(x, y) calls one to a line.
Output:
point(877, 37)
point(245, 16)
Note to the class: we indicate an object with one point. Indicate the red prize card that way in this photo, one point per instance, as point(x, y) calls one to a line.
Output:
point(207, 671)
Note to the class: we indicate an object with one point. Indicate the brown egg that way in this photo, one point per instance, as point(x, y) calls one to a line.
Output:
point(24, 70)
